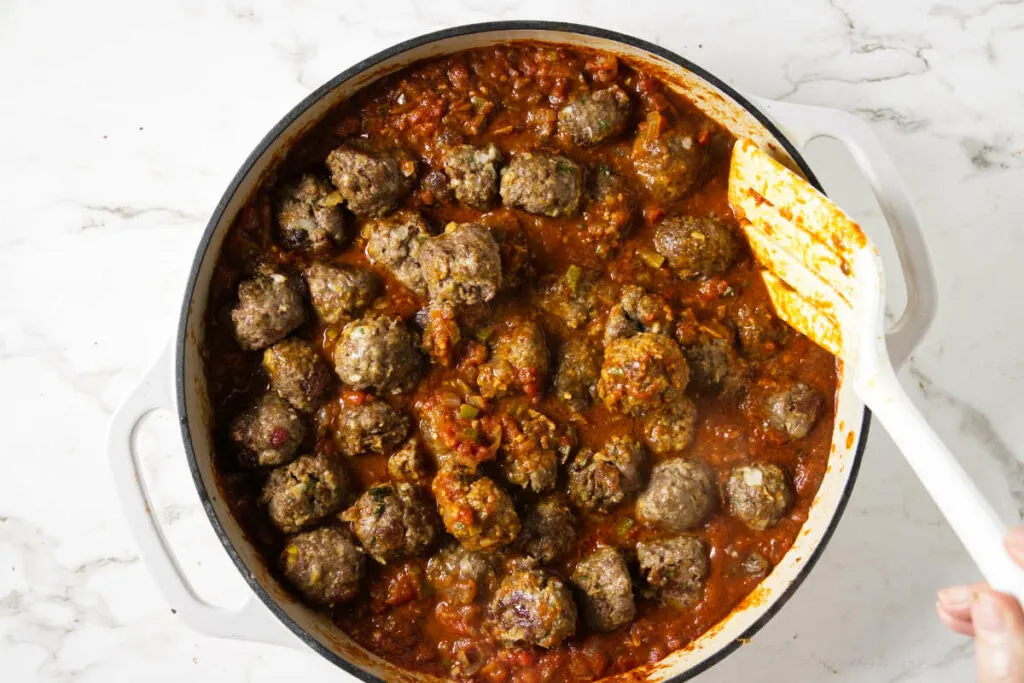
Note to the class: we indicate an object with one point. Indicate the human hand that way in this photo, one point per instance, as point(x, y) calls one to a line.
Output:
point(994, 619)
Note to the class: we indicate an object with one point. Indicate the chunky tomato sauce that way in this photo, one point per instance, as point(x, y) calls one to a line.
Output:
point(510, 96)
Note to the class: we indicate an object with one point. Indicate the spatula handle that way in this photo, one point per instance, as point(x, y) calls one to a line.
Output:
point(966, 509)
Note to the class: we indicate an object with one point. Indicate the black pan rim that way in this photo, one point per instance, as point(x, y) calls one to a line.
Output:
point(275, 133)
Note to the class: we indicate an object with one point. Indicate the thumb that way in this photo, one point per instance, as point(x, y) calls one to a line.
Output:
point(999, 638)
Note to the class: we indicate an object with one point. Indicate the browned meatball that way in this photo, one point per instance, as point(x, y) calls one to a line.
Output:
point(518, 360)
point(642, 373)
point(303, 492)
point(462, 267)
point(671, 428)
point(696, 247)
point(308, 215)
point(269, 433)
point(533, 606)
point(379, 353)
point(758, 329)
point(637, 311)
point(462, 575)
point(680, 496)
point(578, 373)
point(530, 448)
point(793, 410)
point(576, 298)
point(297, 373)
point(408, 463)
point(547, 185)
point(370, 427)
point(395, 243)
point(714, 365)
point(393, 521)
point(269, 307)
point(549, 530)
point(667, 162)
point(592, 117)
point(324, 564)
point(473, 174)
point(340, 293)
point(475, 510)
point(605, 590)
point(677, 567)
point(758, 495)
point(371, 183)
point(599, 481)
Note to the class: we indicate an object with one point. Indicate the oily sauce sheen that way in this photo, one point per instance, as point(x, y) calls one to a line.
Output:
point(762, 393)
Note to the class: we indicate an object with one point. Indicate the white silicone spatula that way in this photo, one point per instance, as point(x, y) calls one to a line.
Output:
point(825, 278)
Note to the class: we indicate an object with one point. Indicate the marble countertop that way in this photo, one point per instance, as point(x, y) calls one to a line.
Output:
point(122, 124)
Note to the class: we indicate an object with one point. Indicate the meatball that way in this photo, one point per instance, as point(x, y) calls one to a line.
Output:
point(642, 373)
point(475, 510)
point(758, 494)
point(370, 183)
point(393, 521)
point(542, 184)
point(533, 606)
point(593, 117)
point(303, 492)
point(462, 267)
point(518, 360)
point(680, 496)
point(530, 447)
point(668, 163)
point(671, 429)
point(462, 575)
point(340, 293)
point(370, 427)
point(576, 298)
point(608, 211)
point(605, 590)
point(269, 307)
point(378, 352)
point(473, 174)
point(677, 566)
point(324, 564)
point(599, 481)
point(269, 433)
point(696, 247)
point(549, 530)
point(308, 216)
point(578, 373)
point(758, 329)
point(395, 242)
point(793, 410)
point(297, 373)
point(637, 311)
point(714, 364)
point(408, 463)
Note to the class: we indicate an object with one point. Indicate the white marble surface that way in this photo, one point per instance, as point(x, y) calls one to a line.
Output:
point(122, 122)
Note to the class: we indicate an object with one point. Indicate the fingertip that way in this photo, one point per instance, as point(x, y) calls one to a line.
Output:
point(954, 623)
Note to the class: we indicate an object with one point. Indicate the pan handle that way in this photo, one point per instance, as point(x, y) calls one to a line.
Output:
point(801, 124)
point(251, 621)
